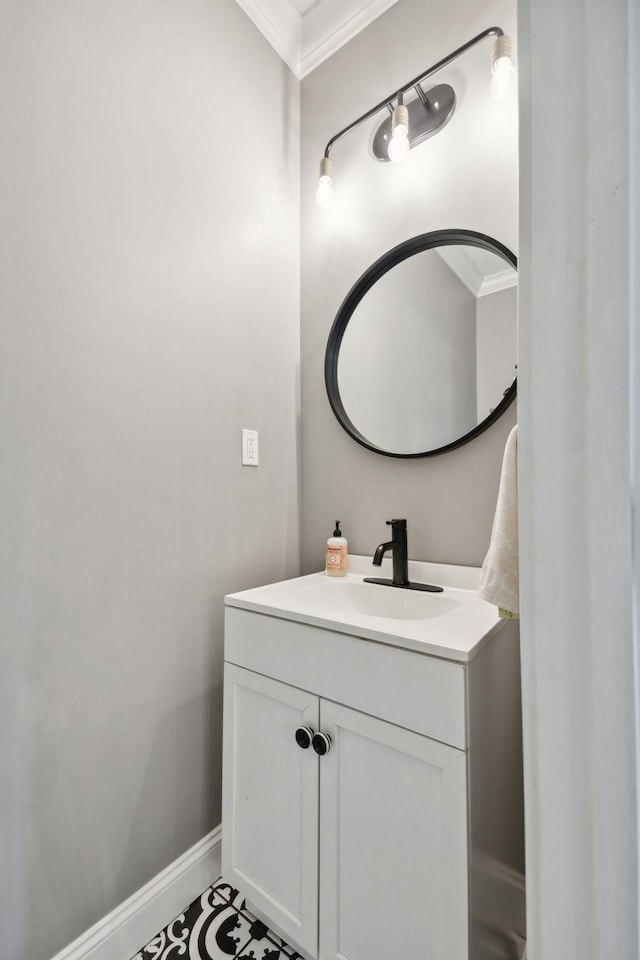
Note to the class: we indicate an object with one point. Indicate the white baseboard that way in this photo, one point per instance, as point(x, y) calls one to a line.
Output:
point(124, 931)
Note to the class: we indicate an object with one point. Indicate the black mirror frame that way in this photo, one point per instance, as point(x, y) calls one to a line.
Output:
point(425, 241)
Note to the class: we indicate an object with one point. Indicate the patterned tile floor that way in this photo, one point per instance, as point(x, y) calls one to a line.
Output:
point(217, 926)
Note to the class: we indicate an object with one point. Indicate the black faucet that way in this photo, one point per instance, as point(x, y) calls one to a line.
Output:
point(398, 544)
point(400, 560)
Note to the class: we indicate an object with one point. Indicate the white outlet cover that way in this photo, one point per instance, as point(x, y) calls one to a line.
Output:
point(250, 451)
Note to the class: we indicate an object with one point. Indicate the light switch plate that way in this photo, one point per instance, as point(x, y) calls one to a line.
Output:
point(250, 453)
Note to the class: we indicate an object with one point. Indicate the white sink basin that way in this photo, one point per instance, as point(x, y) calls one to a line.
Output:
point(345, 598)
point(452, 624)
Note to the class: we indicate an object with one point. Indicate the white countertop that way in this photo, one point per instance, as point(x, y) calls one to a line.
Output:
point(453, 624)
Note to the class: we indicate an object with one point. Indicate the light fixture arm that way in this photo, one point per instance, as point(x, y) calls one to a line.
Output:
point(398, 94)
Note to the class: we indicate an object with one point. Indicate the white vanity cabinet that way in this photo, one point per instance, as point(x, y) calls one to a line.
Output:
point(270, 802)
point(393, 851)
point(371, 850)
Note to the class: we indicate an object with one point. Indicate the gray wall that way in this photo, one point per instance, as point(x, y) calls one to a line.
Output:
point(496, 346)
point(149, 310)
point(465, 177)
point(407, 367)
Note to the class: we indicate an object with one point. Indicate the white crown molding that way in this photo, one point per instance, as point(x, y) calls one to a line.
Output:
point(329, 24)
point(498, 281)
point(304, 40)
point(460, 263)
point(467, 271)
point(280, 23)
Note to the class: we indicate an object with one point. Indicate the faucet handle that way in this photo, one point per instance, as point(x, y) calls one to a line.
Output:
point(397, 523)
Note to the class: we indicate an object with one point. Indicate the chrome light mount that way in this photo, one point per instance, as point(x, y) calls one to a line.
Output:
point(428, 114)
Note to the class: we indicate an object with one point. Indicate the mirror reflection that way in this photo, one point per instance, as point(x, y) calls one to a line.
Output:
point(428, 353)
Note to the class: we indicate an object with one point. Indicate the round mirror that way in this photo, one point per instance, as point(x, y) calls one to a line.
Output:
point(422, 354)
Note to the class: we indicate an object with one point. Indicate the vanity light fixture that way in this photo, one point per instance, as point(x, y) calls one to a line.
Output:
point(325, 183)
point(399, 143)
point(503, 74)
point(409, 124)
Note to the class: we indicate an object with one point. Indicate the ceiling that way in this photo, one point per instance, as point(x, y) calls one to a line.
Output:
point(306, 32)
point(481, 271)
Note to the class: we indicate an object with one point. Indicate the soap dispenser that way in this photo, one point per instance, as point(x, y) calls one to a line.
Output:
point(337, 556)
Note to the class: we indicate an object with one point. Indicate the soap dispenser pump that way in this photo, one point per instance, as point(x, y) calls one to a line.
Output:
point(337, 556)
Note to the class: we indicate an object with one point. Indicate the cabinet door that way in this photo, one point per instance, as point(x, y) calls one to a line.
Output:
point(393, 843)
point(270, 803)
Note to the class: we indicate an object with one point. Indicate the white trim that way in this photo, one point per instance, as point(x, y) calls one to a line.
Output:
point(633, 40)
point(498, 281)
point(329, 24)
point(306, 40)
point(460, 263)
point(467, 271)
point(127, 928)
point(281, 24)
point(575, 494)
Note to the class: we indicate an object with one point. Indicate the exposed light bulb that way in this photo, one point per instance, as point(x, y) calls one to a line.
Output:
point(503, 81)
point(503, 74)
point(324, 193)
point(398, 147)
point(399, 143)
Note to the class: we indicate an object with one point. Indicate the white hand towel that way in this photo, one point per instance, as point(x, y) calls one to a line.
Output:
point(499, 580)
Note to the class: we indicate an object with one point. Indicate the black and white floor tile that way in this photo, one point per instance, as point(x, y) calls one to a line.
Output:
point(217, 926)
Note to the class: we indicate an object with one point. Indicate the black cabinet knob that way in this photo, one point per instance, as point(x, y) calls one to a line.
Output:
point(321, 743)
point(304, 736)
